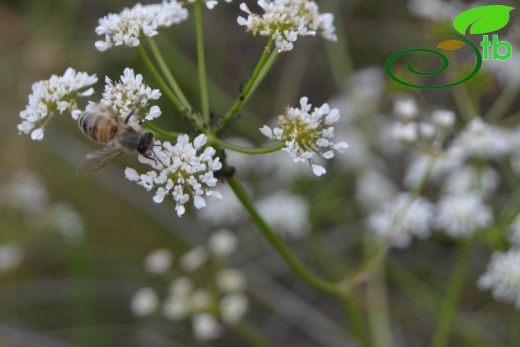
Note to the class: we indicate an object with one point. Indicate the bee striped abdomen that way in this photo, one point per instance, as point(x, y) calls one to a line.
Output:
point(97, 127)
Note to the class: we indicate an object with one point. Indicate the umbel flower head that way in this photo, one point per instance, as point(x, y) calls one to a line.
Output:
point(131, 24)
point(130, 92)
point(181, 172)
point(285, 20)
point(57, 94)
point(307, 135)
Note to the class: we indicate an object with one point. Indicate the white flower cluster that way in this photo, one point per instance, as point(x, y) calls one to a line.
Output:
point(285, 20)
point(210, 4)
point(503, 277)
point(401, 218)
point(307, 134)
point(130, 92)
point(180, 171)
point(462, 214)
point(224, 302)
point(57, 94)
point(131, 24)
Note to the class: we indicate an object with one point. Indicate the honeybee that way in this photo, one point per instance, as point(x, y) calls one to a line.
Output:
point(106, 127)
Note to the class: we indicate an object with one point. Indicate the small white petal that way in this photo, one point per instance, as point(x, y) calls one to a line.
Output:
point(37, 134)
point(267, 131)
point(318, 170)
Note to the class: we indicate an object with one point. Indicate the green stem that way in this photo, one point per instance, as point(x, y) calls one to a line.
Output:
point(251, 335)
point(377, 310)
point(162, 84)
point(300, 270)
point(246, 150)
point(158, 131)
point(367, 268)
point(467, 107)
point(503, 102)
point(448, 309)
point(266, 61)
point(167, 73)
point(202, 64)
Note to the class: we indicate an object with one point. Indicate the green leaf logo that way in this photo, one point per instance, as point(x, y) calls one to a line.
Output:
point(483, 19)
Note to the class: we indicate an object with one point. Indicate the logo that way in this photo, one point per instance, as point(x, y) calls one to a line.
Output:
point(480, 21)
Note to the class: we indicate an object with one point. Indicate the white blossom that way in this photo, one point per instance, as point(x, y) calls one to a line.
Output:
point(230, 280)
point(373, 188)
point(201, 300)
point(176, 307)
point(131, 92)
point(286, 20)
point(233, 307)
point(307, 135)
point(206, 327)
point(50, 97)
point(407, 133)
point(25, 191)
point(192, 260)
point(444, 119)
point(181, 286)
point(144, 302)
point(11, 256)
point(127, 27)
point(503, 277)
point(406, 109)
point(401, 218)
point(222, 243)
point(68, 221)
point(462, 214)
point(180, 171)
point(158, 261)
point(287, 213)
point(467, 179)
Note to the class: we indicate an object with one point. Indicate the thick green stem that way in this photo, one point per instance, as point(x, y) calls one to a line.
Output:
point(202, 64)
point(264, 64)
point(158, 131)
point(448, 309)
point(300, 270)
point(240, 149)
point(167, 73)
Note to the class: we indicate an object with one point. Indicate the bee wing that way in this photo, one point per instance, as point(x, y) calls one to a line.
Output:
point(96, 160)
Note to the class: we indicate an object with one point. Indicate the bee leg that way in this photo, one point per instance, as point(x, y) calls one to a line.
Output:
point(155, 157)
point(130, 114)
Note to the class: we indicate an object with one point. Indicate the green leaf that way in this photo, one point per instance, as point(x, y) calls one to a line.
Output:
point(451, 45)
point(483, 19)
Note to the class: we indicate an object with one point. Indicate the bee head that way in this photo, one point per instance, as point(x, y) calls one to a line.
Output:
point(146, 143)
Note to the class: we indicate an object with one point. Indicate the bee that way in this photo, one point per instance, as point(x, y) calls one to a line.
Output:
point(120, 137)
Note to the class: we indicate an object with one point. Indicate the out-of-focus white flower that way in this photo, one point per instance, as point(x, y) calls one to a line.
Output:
point(285, 20)
point(503, 277)
point(466, 179)
point(181, 286)
point(230, 280)
point(144, 302)
point(176, 307)
point(307, 134)
point(25, 191)
point(406, 133)
point(180, 172)
point(426, 131)
point(286, 213)
point(127, 27)
point(11, 255)
point(55, 95)
point(222, 243)
point(201, 300)
point(131, 92)
point(436, 10)
point(442, 165)
point(401, 218)
point(462, 215)
point(374, 188)
point(68, 221)
point(210, 4)
point(206, 327)
point(406, 110)
point(233, 307)
point(482, 140)
point(193, 259)
point(158, 261)
point(444, 119)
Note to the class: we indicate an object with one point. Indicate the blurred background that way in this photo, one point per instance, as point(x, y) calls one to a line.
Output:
point(72, 250)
